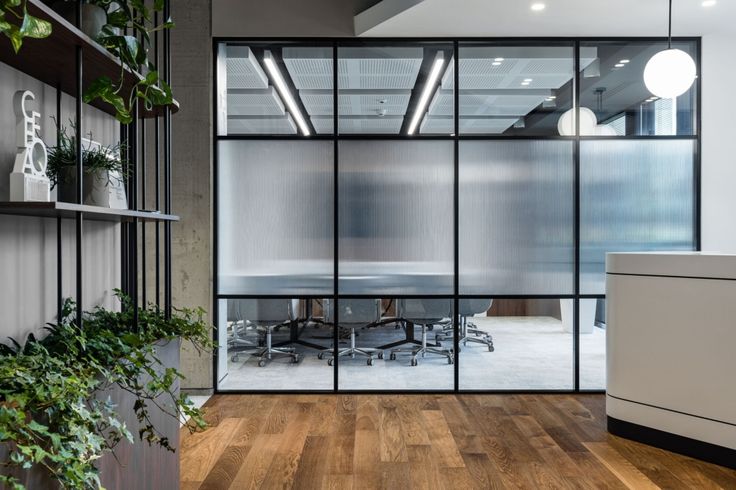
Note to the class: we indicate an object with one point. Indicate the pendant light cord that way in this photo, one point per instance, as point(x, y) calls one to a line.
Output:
point(669, 32)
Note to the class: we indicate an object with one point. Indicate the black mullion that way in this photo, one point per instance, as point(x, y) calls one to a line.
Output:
point(215, 227)
point(335, 204)
point(456, 218)
point(157, 173)
point(698, 149)
point(167, 168)
point(59, 237)
point(576, 192)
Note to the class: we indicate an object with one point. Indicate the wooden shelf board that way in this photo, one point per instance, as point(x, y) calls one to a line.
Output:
point(52, 60)
point(68, 210)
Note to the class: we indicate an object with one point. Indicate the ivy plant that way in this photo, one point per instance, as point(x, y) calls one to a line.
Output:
point(53, 414)
point(16, 23)
point(127, 35)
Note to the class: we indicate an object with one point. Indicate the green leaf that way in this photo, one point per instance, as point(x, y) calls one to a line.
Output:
point(34, 27)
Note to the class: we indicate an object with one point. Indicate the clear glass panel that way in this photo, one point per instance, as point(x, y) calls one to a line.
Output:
point(515, 89)
point(275, 217)
point(395, 217)
point(516, 217)
point(634, 196)
point(612, 88)
point(532, 344)
point(396, 89)
point(391, 354)
point(592, 344)
point(273, 88)
point(273, 344)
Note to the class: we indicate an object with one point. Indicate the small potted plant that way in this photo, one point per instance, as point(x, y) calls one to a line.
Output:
point(94, 17)
point(104, 171)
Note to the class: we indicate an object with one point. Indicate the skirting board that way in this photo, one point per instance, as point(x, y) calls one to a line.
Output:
point(672, 442)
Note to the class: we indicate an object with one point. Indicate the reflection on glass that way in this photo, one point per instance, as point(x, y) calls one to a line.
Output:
point(592, 344)
point(395, 217)
point(272, 344)
point(275, 217)
point(613, 88)
point(515, 89)
point(516, 217)
point(274, 89)
point(532, 345)
point(634, 196)
point(395, 344)
point(394, 90)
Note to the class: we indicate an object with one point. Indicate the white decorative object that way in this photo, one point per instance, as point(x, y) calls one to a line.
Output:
point(669, 73)
point(588, 122)
point(28, 181)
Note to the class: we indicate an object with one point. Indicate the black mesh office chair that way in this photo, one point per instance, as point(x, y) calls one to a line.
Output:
point(238, 330)
point(353, 313)
point(469, 332)
point(267, 314)
point(426, 313)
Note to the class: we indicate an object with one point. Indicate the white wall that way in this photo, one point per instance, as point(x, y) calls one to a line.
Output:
point(28, 244)
point(718, 216)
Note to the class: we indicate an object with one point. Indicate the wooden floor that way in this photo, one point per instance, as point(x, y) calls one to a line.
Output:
point(426, 441)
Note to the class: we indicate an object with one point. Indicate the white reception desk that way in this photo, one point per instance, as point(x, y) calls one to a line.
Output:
point(671, 351)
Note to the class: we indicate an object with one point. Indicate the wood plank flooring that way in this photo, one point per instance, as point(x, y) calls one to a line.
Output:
point(426, 441)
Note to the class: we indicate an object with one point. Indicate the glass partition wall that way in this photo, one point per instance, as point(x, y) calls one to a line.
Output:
point(434, 215)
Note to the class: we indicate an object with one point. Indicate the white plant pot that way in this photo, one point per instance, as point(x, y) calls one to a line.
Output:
point(99, 188)
point(94, 17)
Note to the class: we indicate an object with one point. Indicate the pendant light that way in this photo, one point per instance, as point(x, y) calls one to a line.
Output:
point(670, 72)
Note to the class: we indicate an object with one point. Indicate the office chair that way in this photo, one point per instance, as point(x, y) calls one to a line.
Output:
point(352, 313)
point(266, 315)
point(239, 326)
point(469, 332)
point(426, 313)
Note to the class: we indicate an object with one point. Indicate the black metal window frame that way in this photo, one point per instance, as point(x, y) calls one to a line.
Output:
point(573, 42)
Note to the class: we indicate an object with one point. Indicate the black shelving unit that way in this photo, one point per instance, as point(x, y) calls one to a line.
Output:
point(69, 61)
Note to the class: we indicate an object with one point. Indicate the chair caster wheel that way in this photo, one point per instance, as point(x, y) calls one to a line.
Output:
point(414, 362)
point(261, 363)
point(295, 359)
point(392, 356)
point(320, 356)
point(450, 361)
point(491, 348)
point(370, 362)
point(234, 359)
point(431, 327)
point(329, 362)
point(380, 355)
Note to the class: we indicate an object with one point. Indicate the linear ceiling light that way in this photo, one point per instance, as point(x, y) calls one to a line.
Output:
point(273, 70)
point(439, 62)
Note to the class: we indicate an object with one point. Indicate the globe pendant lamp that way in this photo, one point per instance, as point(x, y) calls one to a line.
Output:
point(671, 72)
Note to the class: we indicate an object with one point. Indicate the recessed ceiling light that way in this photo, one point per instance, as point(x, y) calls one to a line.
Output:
point(496, 63)
point(525, 83)
point(283, 89)
point(429, 87)
point(619, 65)
point(538, 6)
point(552, 97)
point(624, 61)
point(499, 59)
point(527, 79)
point(709, 3)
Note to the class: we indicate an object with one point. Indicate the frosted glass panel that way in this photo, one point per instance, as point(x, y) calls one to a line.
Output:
point(275, 217)
point(634, 196)
point(396, 217)
point(516, 217)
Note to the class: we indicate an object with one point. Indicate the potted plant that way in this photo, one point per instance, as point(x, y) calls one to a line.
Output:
point(56, 417)
point(104, 171)
point(127, 35)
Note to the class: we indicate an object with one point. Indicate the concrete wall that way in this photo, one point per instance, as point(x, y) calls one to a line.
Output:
point(718, 144)
point(191, 174)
